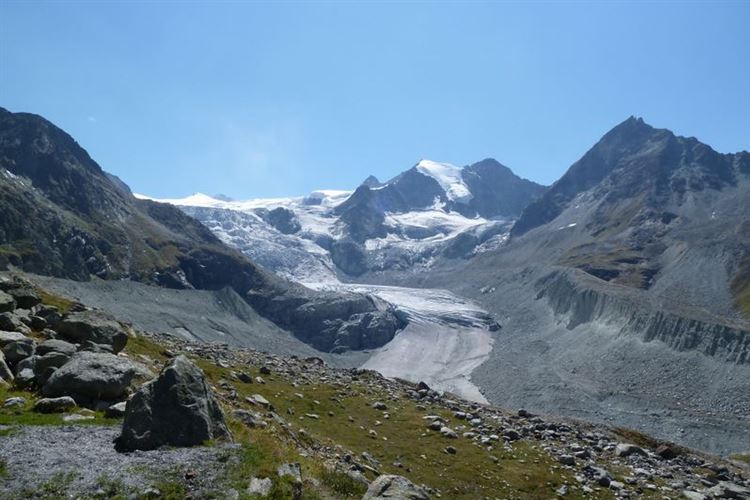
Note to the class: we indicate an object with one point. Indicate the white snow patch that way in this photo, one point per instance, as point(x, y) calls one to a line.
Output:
point(449, 177)
point(9, 174)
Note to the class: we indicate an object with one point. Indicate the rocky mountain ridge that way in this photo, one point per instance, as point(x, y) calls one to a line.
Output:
point(62, 215)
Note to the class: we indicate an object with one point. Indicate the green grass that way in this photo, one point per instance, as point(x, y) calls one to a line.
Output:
point(474, 472)
point(3, 468)
point(143, 346)
point(741, 286)
point(54, 489)
point(61, 303)
point(743, 457)
point(171, 490)
point(743, 300)
point(25, 415)
point(112, 489)
point(524, 472)
point(637, 438)
point(342, 484)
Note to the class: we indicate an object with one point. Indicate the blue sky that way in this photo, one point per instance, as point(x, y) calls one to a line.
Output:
point(271, 99)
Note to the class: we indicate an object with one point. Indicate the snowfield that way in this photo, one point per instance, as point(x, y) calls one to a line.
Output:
point(449, 177)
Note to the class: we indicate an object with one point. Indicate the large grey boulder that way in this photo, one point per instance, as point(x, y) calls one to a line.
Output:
point(45, 366)
point(18, 350)
point(177, 409)
point(50, 314)
point(56, 345)
point(5, 373)
point(25, 363)
point(25, 297)
point(8, 337)
point(25, 378)
point(7, 302)
point(90, 376)
point(395, 488)
point(93, 326)
point(10, 322)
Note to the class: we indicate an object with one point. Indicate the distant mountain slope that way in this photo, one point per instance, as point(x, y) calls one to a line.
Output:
point(62, 215)
point(430, 212)
point(622, 290)
point(643, 198)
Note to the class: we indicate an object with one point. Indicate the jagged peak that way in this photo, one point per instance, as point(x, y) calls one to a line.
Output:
point(633, 129)
point(372, 181)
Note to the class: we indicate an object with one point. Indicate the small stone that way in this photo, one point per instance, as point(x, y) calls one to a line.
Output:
point(14, 402)
point(292, 469)
point(435, 425)
point(250, 419)
point(448, 432)
point(394, 487)
point(616, 485)
point(450, 450)
point(259, 400)
point(116, 410)
point(378, 405)
point(151, 494)
point(55, 405)
point(77, 418)
point(25, 378)
point(260, 487)
point(694, 495)
point(625, 450)
point(666, 452)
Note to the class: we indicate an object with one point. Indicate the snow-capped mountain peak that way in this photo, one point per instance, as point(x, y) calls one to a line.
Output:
point(449, 177)
point(430, 212)
point(194, 200)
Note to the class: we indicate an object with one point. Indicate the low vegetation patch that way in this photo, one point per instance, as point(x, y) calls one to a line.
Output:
point(343, 484)
point(25, 414)
point(402, 444)
point(49, 299)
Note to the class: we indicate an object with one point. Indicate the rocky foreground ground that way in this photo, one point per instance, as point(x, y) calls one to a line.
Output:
point(195, 420)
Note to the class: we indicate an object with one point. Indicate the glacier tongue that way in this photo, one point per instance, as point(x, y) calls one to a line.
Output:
point(446, 339)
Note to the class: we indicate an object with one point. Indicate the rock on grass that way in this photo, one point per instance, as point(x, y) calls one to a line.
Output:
point(177, 409)
point(89, 377)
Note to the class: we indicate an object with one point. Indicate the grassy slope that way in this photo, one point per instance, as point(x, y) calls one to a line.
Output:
point(474, 472)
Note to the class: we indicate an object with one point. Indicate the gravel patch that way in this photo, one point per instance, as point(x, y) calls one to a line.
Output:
point(36, 454)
